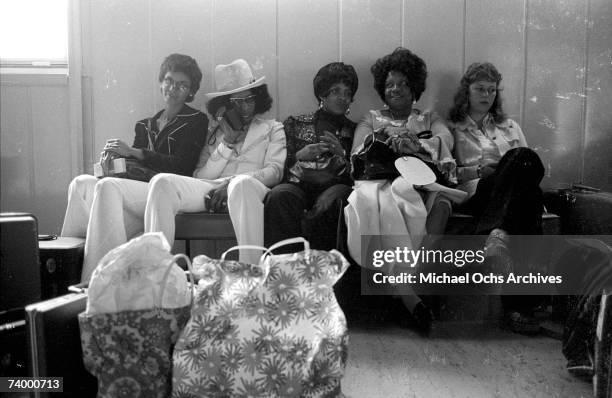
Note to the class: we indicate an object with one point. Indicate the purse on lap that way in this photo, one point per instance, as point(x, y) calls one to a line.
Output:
point(272, 329)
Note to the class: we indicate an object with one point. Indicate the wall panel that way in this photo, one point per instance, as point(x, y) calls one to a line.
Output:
point(370, 29)
point(121, 69)
point(554, 86)
point(183, 26)
point(598, 133)
point(434, 31)
point(307, 39)
point(494, 32)
point(247, 29)
point(16, 149)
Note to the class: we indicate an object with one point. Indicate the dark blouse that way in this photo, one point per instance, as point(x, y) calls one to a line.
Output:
point(306, 129)
point(176, 148)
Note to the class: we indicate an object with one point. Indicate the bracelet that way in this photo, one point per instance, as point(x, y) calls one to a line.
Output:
point(479, 171)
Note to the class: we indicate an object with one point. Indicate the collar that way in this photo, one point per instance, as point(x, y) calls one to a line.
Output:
point(469, 124)
point(186, 111)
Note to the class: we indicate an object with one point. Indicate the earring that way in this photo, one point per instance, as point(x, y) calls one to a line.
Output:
point(348, 110)
point(321, 104)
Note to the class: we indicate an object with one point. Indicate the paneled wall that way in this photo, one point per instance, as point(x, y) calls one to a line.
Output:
point(555, 57)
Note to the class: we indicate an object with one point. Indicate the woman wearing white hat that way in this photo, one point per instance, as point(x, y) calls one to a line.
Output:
point(243, 158)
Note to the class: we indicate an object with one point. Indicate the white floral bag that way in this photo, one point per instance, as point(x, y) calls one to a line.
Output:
point(272, 329)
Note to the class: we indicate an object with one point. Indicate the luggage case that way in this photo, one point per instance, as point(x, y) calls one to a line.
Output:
point(13, 344)
point(54, 344)
point(61, 261)
point(583, 211)
point(19, 269)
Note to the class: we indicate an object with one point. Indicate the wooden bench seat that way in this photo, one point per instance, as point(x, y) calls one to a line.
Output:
point(218, 226)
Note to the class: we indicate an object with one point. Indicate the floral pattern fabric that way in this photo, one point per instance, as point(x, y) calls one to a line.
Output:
point(130, 352)
point(271, 330)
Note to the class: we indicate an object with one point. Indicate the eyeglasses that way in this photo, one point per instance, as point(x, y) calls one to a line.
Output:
point(250, 100)
point(485, 91)
point(171, 84)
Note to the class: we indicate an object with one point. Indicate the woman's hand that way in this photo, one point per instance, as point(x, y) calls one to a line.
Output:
point(333, 143)
point(122, 149)
point(312, 151)
point(216, 200)
point(407, 144)
point(230, 136)
point(487, 169)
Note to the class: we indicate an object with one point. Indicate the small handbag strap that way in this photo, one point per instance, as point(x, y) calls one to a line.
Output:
point(167, 274)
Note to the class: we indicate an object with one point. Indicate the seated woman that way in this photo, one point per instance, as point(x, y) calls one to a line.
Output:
point(499, 173)
point(242, 159)
point(109, 211)
point(310, 203)
point(399, 80)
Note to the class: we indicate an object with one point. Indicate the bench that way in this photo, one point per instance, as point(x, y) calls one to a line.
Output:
point(218, 226)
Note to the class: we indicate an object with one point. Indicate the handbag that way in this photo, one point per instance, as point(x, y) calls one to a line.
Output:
point(112, 165)
point(272, 329)
point(130, 350)
point(318, 172)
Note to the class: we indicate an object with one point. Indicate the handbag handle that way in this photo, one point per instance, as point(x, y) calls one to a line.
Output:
point(238, 247)
point(167, 274)
point(285, 242)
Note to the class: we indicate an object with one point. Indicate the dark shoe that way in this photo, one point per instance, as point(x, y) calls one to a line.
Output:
point(423, 318)
point(582, 369)
point(523, 324)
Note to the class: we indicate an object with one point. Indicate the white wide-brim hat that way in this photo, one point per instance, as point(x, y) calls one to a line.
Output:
point(233, 78)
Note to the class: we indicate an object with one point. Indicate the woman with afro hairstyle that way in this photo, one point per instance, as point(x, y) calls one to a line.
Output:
point(400, 210)
point(501, 176)
point(109, 211)
point(312, 207)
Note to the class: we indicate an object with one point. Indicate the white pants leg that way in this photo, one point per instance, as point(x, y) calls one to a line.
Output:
point(116, 216)
point(245, 196)
point(80, 198)
point(169, 194)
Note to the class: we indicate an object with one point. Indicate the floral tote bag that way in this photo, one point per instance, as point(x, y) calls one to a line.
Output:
point(272, 329)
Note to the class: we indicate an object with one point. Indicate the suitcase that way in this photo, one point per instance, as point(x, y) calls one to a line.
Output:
point(61, 261)
point(19, 269)
point(54, 344)
point(582, 211)
point(13, 355)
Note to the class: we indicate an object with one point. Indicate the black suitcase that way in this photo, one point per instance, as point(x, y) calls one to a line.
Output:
point(19, 269)
point(54, 344)
point(582, 211)
point(13, 354)
point(61, 261)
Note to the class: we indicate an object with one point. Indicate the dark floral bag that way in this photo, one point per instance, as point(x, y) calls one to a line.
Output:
point(130, 352)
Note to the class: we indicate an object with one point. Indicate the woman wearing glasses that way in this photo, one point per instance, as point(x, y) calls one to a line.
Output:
point(109, 211)
point(391, 208)
point(499, 173)
point(243, 158)
point(317, 171)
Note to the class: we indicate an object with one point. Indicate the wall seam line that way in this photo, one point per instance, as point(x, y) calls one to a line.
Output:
point(523, 94)
point(584, 90)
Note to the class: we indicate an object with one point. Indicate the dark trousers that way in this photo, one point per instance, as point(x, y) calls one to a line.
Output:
point(292, 210)
point(510, 199)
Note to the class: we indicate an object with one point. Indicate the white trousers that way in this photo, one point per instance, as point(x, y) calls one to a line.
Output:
point(110, 211)
point(171, 193)
point(106, 212)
